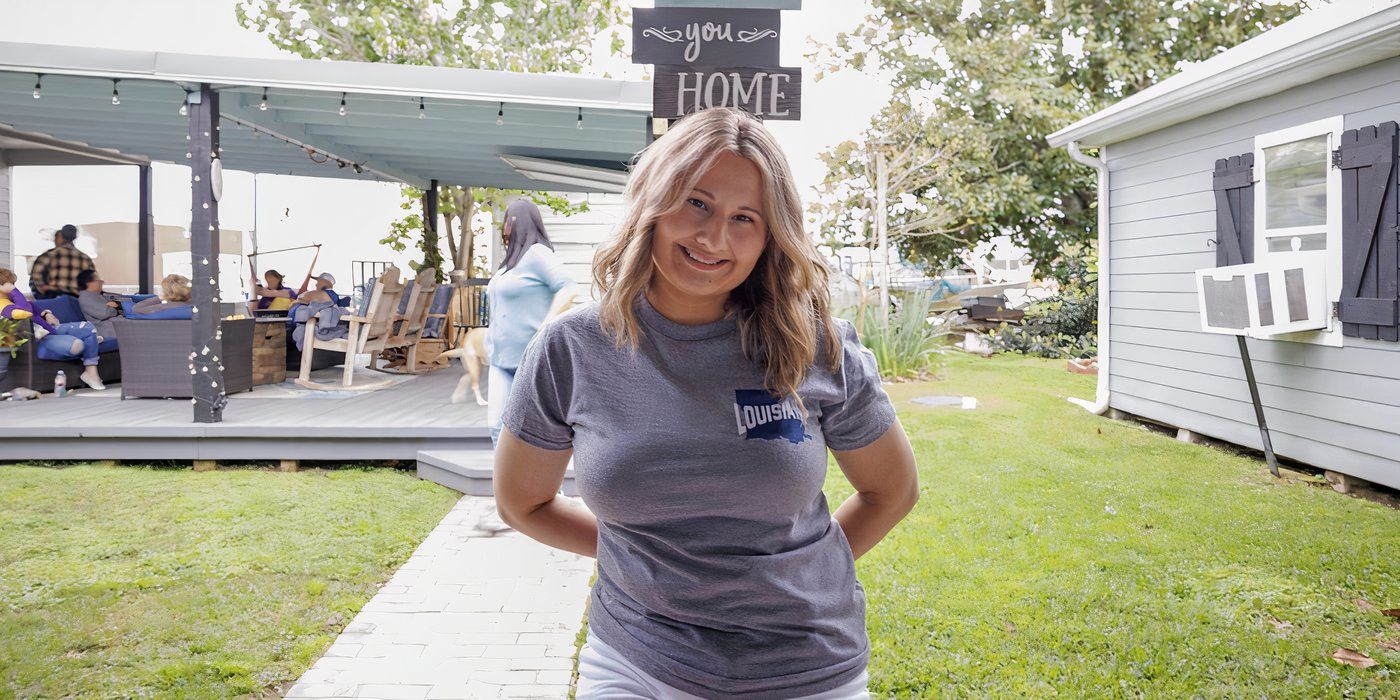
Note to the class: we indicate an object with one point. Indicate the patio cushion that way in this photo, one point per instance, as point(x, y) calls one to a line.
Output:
point(179, 313)
point(66, 308)
point(442, 299)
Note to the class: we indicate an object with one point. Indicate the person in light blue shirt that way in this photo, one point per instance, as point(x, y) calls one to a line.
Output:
point(528, 289)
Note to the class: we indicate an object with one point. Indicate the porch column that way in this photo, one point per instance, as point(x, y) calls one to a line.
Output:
point(206, 339)
point(430, 211)
point(145, 233)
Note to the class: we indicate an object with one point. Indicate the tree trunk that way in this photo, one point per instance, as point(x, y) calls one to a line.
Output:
point(465, 252)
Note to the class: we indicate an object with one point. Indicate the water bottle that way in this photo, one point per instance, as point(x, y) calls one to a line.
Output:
point(60, 384)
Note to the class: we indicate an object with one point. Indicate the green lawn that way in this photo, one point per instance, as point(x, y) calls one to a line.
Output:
point(126, 582)
point(1058, 553)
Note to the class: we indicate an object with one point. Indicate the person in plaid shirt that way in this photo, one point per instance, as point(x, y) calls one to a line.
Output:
point(56, 271)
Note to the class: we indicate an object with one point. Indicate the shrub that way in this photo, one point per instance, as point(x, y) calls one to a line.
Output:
point(1065, 325)
point(910, 344)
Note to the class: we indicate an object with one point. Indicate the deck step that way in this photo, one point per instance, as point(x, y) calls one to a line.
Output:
point(470, 470)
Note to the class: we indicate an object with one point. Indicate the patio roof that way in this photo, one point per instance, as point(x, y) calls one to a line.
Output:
point(456, 141)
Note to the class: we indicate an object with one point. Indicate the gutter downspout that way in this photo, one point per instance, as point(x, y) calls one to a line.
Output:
point(1101, 395)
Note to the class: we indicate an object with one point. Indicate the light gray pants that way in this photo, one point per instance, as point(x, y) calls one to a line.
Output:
point(604, 675)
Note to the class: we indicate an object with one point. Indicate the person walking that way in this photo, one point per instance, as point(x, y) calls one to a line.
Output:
point(698, 400)
point(55, 272)
point(528, 289)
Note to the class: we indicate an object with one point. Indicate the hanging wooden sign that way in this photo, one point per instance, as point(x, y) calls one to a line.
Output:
point(705, 36)
point(771, 93)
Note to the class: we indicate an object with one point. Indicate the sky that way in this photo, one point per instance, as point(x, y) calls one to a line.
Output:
point(295, 211)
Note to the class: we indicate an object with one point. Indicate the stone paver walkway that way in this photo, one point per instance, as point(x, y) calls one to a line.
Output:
point(478, 611)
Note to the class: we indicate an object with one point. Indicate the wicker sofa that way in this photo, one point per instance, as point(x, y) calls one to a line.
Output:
point(155, 357)
point(27, 369)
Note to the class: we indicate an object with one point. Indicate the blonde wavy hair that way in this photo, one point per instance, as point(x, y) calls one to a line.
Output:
point(783, 308)
point(175, 288)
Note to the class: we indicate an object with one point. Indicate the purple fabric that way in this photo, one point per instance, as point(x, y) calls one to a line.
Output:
point(22, 303)
point(264, 302)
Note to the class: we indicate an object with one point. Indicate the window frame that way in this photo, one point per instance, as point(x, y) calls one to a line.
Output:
point(1331, 127)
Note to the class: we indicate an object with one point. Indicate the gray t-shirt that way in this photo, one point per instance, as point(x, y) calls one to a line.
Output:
point(720, 569)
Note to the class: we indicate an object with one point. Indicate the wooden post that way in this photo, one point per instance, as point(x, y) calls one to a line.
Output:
point(288, 465)
point(145, 232)
point(206, 339)
point(430, 212)
point(882, 229)
point(205, 465)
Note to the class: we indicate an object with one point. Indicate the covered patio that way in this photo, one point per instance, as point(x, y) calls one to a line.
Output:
point(420, 126)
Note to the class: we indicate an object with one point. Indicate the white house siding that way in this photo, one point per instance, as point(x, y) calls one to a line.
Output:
point(576, 237)
point(1337, 408)
point(5, 247)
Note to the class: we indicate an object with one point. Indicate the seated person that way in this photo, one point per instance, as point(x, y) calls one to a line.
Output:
point(323, 291)
point(273, 296)
point(98, 308)
point(174, 292)
point(54, 340)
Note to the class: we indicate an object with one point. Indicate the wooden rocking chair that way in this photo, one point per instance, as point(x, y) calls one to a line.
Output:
point(408, 325)
point(367, 334)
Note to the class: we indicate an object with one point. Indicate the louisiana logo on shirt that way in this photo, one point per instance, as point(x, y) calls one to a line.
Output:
point(761, 415)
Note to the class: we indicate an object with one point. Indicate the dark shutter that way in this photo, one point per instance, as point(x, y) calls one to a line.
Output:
point(1234, 210)
point(1370, 300)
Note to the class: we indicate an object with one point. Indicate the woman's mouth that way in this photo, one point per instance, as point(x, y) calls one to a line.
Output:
point(701, 261)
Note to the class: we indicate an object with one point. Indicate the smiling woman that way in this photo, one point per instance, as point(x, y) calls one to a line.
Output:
point(699, 399)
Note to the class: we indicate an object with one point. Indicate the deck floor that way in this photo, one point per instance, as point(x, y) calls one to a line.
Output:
point(270, 422)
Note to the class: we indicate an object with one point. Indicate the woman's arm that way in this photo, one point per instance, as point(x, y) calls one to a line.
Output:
point(562, 300)
point(527, 481)
point(886, 480)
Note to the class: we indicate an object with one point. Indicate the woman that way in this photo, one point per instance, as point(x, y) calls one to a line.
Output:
point(699, 399)
point(529, 288)
point(274, 295)
point(174, 293)
point(56, 340)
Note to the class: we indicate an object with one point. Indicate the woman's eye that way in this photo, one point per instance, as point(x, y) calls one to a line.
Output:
point(744, 217)
point(697, 203)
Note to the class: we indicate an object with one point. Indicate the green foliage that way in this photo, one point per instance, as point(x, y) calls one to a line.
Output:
point(976, 95)
point(11, 335)
point(133, 582)
point(514, 35)
point(1054, 553)
point(910, 344)
point(1065, 325)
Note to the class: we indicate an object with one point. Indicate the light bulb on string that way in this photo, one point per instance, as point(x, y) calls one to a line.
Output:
point(342, 104)
point(263, 104)
point(579, 125)
point(422, 113)
point(185, 105)
point(38, 80)
point(501, 115)
point(116, 99)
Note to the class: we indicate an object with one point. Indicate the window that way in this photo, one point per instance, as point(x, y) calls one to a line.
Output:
point(1298, 208)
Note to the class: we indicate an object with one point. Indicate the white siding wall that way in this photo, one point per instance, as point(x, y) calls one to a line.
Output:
point(576, 237)
point(1337, 408)
point(5, 247)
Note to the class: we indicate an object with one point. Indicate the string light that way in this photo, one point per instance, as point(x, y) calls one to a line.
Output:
point(185, 105)
point(263, 105)
point(38, 79)
point(579, 125)
point(501, 115)
point(422, 113)
point(116, 99)
point(342, 104)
